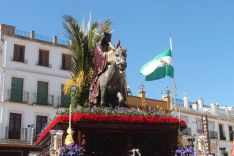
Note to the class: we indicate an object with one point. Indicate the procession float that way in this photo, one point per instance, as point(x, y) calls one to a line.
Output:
point(104, 119)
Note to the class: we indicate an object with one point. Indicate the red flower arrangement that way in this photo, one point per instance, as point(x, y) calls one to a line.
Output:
point(112, 118)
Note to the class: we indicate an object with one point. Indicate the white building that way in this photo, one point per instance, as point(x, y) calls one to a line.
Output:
point(220, 124)
point(33, 69)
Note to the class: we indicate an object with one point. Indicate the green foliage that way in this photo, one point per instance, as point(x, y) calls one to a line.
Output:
point(83, 42)
point(112, 111)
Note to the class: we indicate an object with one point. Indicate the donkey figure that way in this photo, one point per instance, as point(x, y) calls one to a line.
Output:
point(112, 81)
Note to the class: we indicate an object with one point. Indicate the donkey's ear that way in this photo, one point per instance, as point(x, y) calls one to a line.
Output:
point(124, 49)
point(118, 44)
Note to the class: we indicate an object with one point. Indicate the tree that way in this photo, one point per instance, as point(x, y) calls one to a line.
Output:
point(83, 41)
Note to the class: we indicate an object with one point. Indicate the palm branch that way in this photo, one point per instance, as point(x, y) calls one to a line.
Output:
point(83, 41)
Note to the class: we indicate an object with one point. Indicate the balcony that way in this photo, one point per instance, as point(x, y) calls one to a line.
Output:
point(187, 131)
point(17, 96)
point(222, 136)
point(64, 101)
point(213, 135)
point(44, 99)
point(25, 135)
point(199, 131)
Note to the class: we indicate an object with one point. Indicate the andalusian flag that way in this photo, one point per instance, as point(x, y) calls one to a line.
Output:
point(159, 67)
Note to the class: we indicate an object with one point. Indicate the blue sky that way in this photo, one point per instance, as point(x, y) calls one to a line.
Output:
point(202, 33)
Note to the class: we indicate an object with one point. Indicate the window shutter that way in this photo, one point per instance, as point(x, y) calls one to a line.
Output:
point(65, 100)
point(43, 58)
point(46, 58)
point(66, 61)
point(41, 122)
point(63, 61)
point(40, 57)
point(69, 62)
point(17, 90)
point(21, 53)
point(14, 126)
point(16, 53)
point(42, 92)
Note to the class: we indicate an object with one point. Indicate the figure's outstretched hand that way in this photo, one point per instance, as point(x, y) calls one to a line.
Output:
point(118, 44)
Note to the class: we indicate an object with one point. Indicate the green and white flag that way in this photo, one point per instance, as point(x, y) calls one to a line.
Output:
point(159, 67)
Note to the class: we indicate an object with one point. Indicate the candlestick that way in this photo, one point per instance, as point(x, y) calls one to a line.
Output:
point(70, 117)
point(55, 142)
point(69, 138)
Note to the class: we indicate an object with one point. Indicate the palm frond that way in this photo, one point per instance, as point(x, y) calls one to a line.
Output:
point(83, 45)
point(106, 26)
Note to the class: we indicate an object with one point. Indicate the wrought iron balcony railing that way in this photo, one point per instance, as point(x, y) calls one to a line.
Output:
point(21, 135)
point(15, 95)
point(43, 99)
point(64, 101)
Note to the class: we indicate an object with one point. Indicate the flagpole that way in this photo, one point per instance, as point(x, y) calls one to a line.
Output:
point(174, 85)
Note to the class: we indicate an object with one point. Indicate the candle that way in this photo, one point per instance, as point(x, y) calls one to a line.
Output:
point(70, 117)
point(55, 142)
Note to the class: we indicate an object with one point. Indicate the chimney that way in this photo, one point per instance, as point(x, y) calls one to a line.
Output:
point(226, 110)
point(200, 104)
point(54, 40)
point(7, 29)
point(186, 101)
point(32, 34)
point(214, 107)
point(142, 95)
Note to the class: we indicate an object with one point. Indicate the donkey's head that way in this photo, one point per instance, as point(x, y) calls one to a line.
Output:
point(120, 58)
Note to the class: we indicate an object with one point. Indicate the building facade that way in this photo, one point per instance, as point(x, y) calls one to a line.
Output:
point(220, 125)
point(33, 70)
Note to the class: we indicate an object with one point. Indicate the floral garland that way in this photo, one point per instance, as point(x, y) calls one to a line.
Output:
point(113, 111)
point(112, 118)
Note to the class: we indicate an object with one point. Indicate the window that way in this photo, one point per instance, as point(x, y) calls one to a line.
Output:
point(42, 92)
point(43, 59)
point(41, 122)
point(19, 51)
point(65, 100)
point(212, 133)
point(221, 132)
point(199, 126)
point(66, 62)
point(211, 125)
point(16, 90)
point(230, 133)
point(14, 126)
